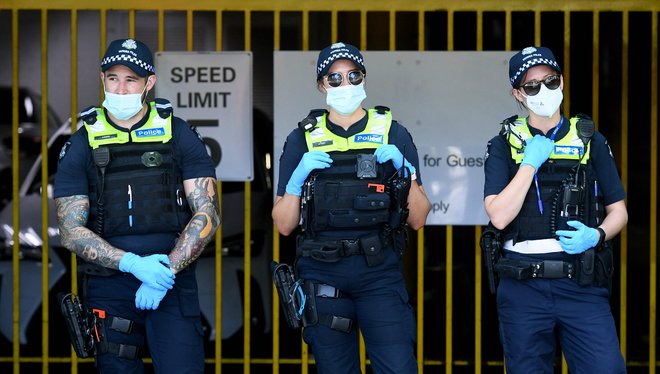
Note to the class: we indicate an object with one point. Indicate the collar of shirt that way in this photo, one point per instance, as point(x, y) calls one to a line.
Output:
point(355, 128)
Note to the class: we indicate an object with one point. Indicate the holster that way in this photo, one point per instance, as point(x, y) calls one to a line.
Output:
point(80, 323)
point(585, 267)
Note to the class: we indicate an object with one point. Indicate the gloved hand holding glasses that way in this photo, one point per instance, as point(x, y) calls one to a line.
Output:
point(537, 151)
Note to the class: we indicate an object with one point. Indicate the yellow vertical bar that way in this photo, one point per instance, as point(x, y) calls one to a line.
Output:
point(15, 265)
point(623, 236)
point(420, 300)
point(392, 30)
point(566, 66)
point(595, 68)
point(654, 194)
point(449, 302)
point(248, 30)
point(218, 30)
point(218, 288)
point(363, 30)
point(247, 278)
point(305, 31)
point(131, 23)
point(449, 260)
point(44, 196)
point(276, 237)
point(421, 27)
point(477, 301)
point(189, 30)
point(74, 65)
point(537, 27)
point(480, 30)
point(276, 30)
point(161, 29)
point(248, 249)
point(218, 238)
point(334, 27)
point(567, 104)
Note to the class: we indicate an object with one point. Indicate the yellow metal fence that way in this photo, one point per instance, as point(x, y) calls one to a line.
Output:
point(609, 51)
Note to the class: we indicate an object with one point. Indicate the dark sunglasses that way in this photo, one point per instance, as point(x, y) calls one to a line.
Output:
point(533, 87)
point(355, 77)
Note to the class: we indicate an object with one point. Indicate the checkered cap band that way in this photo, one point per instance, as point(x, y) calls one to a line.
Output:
point(528, 64)
point(336, 56)
point(128, 58)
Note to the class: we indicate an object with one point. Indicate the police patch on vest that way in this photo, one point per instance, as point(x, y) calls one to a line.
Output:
point(368, 138)
point(322, 143)
point(568, 150)
point(150, 132)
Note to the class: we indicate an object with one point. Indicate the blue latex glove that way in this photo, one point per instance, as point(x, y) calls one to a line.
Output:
point(153, 270)
point(310, 160)
point(148, 297)
point(537, 150)
point(387, 152)
point(578, 240)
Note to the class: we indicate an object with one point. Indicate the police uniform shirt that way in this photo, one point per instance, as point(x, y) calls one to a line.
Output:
point(295, 146)
point(76, 167)
point(498, 159)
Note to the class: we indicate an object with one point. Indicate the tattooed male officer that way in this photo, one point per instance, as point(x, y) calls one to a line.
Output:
point(137, 202)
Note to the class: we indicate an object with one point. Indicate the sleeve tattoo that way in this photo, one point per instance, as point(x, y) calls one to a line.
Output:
point(203, 200)
point(72, 216)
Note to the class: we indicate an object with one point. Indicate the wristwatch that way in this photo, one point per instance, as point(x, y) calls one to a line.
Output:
point(601, 238)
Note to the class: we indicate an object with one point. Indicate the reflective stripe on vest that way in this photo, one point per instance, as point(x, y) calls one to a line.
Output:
point(373, 136)
point(570, 147)
point(156, 129)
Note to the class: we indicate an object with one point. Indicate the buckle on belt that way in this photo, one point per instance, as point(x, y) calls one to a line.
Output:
point(553, 269)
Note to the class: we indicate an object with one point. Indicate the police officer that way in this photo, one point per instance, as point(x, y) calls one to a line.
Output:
point(136, 201)
point(358, 174)
point(552, 187)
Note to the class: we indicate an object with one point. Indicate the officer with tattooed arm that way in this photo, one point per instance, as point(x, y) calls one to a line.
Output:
point(353, 175)
point(554, 197)
point(137, 203)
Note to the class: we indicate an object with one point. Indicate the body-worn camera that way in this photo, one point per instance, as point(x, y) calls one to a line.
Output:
point(366, 166)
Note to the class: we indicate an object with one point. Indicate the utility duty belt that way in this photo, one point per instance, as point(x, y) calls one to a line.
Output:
point(333, 250)
point(519, 269)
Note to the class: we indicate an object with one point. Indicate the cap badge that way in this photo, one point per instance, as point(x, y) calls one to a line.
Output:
point(129, 44)
point(338, 45)
point(528, 50)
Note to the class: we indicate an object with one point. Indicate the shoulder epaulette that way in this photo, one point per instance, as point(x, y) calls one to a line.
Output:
point(381, 109)
point(88, 115)
point(163, 107)
point(308, 123)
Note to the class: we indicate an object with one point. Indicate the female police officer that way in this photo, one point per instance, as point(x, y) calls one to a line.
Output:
point(548, 179)
point(357, 172)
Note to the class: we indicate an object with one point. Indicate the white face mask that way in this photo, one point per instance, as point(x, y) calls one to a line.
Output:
point(345, 99)
point(123, 107)
point(546, 102)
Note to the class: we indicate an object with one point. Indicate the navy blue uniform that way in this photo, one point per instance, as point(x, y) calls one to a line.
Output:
point(177, 318)
point(375, 297)
point(533, 312)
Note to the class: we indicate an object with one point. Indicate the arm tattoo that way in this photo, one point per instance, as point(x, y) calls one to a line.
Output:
point(72, 215)
point(202, 196)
